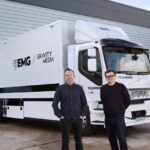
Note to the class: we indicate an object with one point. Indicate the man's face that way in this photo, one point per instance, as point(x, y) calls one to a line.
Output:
point(69, 77)
point(111, 78)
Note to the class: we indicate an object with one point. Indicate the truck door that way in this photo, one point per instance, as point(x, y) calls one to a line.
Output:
point(85, 60)
point(87, 66)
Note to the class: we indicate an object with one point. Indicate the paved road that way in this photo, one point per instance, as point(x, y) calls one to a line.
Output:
point(41, 135)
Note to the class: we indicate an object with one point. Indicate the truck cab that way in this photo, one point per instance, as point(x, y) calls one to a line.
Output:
point(130, 61)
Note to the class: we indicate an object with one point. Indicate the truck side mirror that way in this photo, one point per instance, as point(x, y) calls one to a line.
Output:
point(91, 52)
point(92, 67)
point(92, 64)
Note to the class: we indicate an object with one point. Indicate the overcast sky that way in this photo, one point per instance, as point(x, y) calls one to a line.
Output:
point(143, 4)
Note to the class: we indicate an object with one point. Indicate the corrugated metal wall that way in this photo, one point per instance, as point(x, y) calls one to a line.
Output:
point(16, 18)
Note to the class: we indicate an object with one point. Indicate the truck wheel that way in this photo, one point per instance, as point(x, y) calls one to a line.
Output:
point(87, 128)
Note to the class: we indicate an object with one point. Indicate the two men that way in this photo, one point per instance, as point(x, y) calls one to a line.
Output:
point(73, 106)
point(115, 99)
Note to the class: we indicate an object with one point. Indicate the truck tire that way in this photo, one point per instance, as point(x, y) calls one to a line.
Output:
point(87, 128)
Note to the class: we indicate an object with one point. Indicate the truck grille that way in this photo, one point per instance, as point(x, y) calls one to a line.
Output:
point(137, 114)
point(137, 101)
point(139, 93)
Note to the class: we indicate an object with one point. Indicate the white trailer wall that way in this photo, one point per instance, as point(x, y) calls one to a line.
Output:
point(16, 18)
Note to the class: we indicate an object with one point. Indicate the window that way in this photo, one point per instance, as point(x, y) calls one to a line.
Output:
point(123, 59)
point(95, 77)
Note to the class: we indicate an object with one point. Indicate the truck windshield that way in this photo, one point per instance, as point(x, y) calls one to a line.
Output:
point(126, 60)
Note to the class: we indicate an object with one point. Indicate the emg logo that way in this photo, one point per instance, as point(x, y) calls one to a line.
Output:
point(26, 61)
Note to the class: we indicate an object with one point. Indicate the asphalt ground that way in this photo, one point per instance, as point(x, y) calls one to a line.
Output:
point(45, 135)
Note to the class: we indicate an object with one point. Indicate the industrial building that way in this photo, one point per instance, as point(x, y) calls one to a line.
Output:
point(20, 16)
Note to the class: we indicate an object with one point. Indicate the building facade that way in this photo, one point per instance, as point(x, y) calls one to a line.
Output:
point(20, 16)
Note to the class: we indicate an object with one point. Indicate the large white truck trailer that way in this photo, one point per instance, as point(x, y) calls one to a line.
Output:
point(32, 67)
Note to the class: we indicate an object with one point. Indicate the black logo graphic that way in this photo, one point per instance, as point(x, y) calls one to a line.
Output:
point(26, 61)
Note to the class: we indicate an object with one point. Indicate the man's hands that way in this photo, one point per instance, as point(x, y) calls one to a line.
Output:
point(62, 117)
point(81, 117)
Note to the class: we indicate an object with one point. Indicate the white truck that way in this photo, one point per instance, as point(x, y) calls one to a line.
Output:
point(32, 67)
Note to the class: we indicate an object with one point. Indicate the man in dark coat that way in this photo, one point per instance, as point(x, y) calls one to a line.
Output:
point(115, 99)
point(73, 106)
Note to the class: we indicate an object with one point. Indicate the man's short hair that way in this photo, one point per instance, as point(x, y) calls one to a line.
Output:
point(110, 70)
point(68, 69)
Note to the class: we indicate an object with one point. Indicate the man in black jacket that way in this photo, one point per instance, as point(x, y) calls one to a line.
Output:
point(115, 99)
point(72, 108)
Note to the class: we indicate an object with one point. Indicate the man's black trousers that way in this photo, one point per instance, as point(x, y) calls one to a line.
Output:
point(76, 126)
point(116, 128)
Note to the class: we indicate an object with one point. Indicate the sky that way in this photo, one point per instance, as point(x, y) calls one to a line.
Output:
point(143, 4)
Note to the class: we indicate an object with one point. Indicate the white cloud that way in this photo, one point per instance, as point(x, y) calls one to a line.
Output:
point(143, 4)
